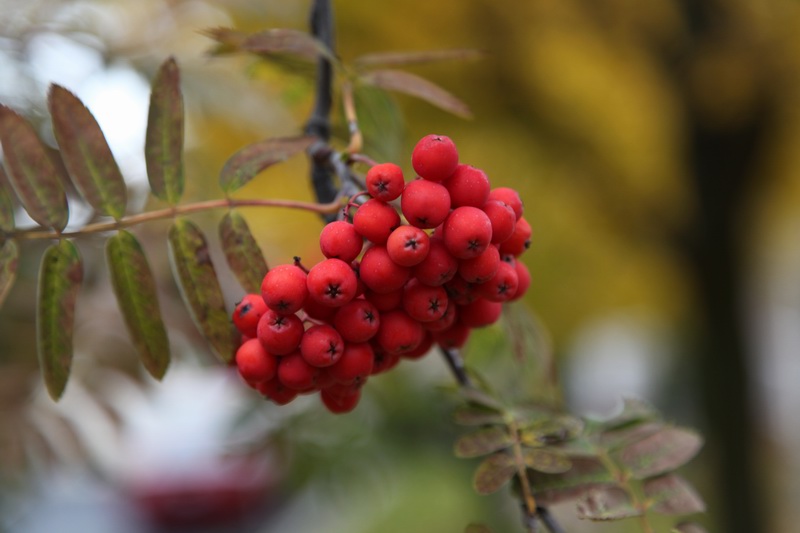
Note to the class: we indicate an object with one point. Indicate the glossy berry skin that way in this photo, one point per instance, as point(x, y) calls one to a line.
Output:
point(434, 157)
point(468, 186)
point(321, 345)
point(375, 220)
point(481, 268)
point(355, 365)
point(480, 313)
point(295, 373)
point(510, 197)
point(385, 181)
point(340, 404)
point(425, 204)
point(453, 337)
point(279, 334)
point(408, 245)
point(255, 365)
point(446, 320)
point(277, 391)
point(519, 241)
point(503, 220)
point(379, 273)
point(420, 351)
point(524, 279)
point(423, 302)
point(247, 314)
point(467, 232)
point(357, 321)
point(340, 240)
point(503, 285)
point(332, 282)
point(438, 267)
point(399, 332)
point(284, 289)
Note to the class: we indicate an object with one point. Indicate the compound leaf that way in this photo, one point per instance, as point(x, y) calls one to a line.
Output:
point(199, 286)
point(547, 461)
point(86, 154)
point(163, 148)
point(286, 41)
point(245, 164)
point(9, 260)
point(673, 495)
point(483, 441)
point(586, 474)
point(60, 279)
point(660, 452)
point(31, 172)
point(242, 252)
point(494, 472)
point(609, 503)
point(413, 85)
point(135, 288)
point(477, 416)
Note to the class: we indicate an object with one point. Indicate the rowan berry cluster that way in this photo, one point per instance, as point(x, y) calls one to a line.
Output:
point(388, 289)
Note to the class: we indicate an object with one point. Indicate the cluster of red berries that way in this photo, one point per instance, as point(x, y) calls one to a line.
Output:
point(387, 290)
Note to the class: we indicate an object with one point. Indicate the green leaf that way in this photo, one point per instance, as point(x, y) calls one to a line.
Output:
point(610, 503)
point(673, 495)
point(402, 59)
point(494, 472)
point(689, 527)
point(483, 399)
point(200, 288)
point(483, 441)
point(381, 122)
point(586, 474)
point(135, 288)
point(413, 85)
point(551, 430)
point(477, 416)
point(60, 279)
point(31, 172)
point(6, 205)
point(9, 261)
point(242, 252)
point(245, 164)
point(547, 461)
point(86, 154)
point(663, 451)
point(163, 147)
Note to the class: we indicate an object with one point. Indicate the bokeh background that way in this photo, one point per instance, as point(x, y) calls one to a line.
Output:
point(654, 145)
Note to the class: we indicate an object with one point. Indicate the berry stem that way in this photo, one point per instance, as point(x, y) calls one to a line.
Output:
point(456, 364)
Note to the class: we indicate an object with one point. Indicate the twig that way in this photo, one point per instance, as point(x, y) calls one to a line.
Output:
point(548, 520)
point(456, 364)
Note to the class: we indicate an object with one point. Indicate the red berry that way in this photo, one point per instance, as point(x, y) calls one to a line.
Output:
point(321, 345)
point(355, 364)
point(247, 314)
point(480, 313)
point(340, 240)
point(438, 267)
point(284, 289)
point(398, 332)
point(385, 301)
point(379, 273)
point(423, 302)
point(481, 268)
point(519, 241)
point(318, 311)
point(467, 232)
point(421, 350)
point(340, 404)
point(332, 282)
point(446, 320)
point(502, 218)
point(375, 220)
point(408, 246)
point(425, 204)
point(385, 181)
point(357, 321)
point(295, 373)
point(280, 334)
point(508, 196)
point(434, 157)
point(277, 391)
point(468, 186)
point(503, 285)
point(453, 337)
point(384, 361)
point(524, 277)
point(254, 363)
point(460, 291)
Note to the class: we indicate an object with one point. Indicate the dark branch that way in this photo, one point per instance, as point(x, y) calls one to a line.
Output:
point(548, 520)
point(456, 364)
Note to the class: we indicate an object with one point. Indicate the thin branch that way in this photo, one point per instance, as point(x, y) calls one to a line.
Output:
point(548, 520)
point(456, 364)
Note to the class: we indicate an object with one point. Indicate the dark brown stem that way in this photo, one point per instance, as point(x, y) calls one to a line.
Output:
point(456, 364)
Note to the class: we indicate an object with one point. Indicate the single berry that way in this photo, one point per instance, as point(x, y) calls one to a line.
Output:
point(502, 218)
point(340, 240)
point(385, 181)
point(421, 350)
point(524, 277)
point(357, 321)
point(508, 196)
point(279, 334)
point(503, 285)
point(277, 391)
point(519, 241)
point(438, 267)
point(446, 320)
point(423, 302)
point(467, 232)
point(284, 289)
point(375, 220)
point(340, 404)
point(384, 361)
point(434, 157)
point(408, 246)
point(425, 204)
point(295, 373)
point(398, 332)
point(379, 273)
point(481, 268)
point(321, 345)
point(247, 314)
point(355, 364)
point(480, 313)
point(254, 363)
point(332, 282)
point(453, 337)
point(468, 186)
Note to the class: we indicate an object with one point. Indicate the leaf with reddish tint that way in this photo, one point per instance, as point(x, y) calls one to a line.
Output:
point(477, 416)
point(610, 503)
point(673, 495)
point(163, 147)
point(242, 252)
point(60, 279)
point(634, 410)
point(245, 164)
point(660, 452)
point(286, 41)
point(200, 289)
point(86, 154)
point(9, 261)
point(413, 85)
point(481, 398)
point(689, 527)
point(494, 472)
point(619, 438)
point(401, 59)
point(228, 40)
point(552, 429)
point(547, 461)
point(135, 288)
point(586, 474)
point(31, 172)
point(483, 441)
point(6, 204)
